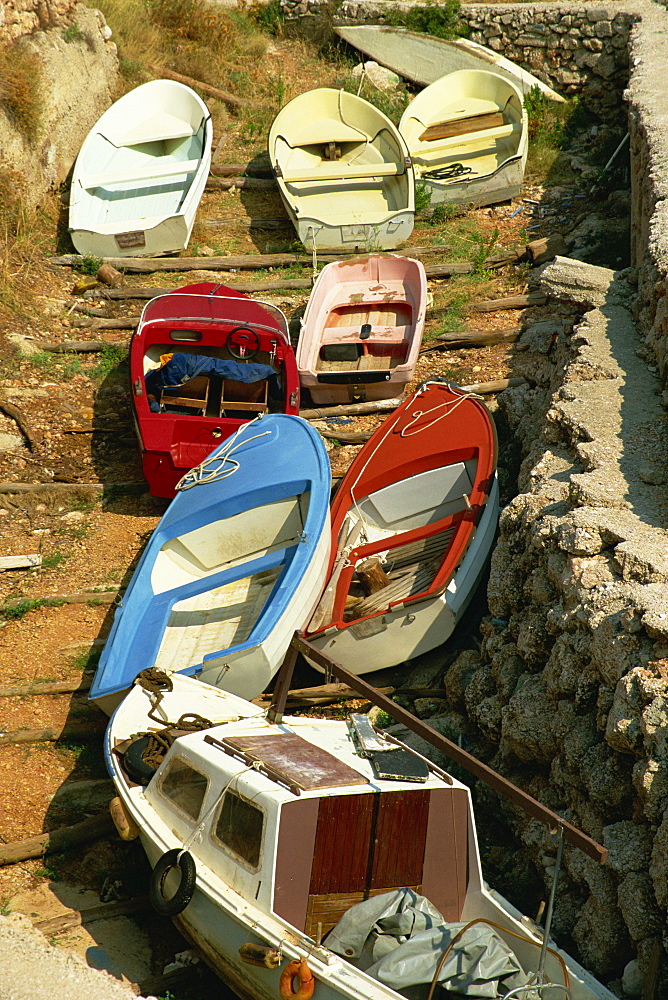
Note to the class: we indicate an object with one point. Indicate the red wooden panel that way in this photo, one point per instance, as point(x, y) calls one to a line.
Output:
point(296, 837)
point(399, 839)
point(341, 855)
point(445, 871)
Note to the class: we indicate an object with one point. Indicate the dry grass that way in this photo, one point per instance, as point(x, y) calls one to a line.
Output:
point(20, 81)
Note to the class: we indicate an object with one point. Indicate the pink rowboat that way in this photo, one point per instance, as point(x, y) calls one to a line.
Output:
point(205, 359)
point(362, 328)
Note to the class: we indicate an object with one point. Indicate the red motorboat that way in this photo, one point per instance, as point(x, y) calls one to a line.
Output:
point(204, 360)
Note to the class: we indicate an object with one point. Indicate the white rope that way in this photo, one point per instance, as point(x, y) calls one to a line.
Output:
point(213, 467)
point(449, 407)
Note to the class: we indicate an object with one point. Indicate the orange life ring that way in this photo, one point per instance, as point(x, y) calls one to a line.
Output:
point(297, 970)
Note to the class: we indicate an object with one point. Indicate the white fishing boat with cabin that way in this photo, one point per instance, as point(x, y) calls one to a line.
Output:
point(140, 174)
point(307, 858)
point(343, 172)
point(468, 137)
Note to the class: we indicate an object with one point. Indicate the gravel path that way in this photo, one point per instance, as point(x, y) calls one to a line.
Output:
point(32, 969)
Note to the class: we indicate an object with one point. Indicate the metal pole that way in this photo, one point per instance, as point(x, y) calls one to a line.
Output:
point(550, 905)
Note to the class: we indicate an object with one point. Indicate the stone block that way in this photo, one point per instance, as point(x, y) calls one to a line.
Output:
point(637, 903)
point(629, 847)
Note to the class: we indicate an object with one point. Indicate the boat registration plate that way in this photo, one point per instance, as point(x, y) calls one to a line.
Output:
point(127, 241)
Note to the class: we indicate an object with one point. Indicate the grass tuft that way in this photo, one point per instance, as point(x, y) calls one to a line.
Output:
point(20, 88)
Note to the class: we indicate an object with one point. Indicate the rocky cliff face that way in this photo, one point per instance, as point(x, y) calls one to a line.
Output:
point(571, 682)
point(78, 69)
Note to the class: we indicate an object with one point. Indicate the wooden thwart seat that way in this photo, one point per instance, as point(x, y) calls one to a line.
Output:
point(173, 168)
point(191, 395)
point(244, 396)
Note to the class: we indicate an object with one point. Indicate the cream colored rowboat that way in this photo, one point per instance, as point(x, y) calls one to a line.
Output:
point(343, 172)
point(468, 137)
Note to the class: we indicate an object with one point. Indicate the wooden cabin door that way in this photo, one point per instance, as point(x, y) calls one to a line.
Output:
point(365, 845)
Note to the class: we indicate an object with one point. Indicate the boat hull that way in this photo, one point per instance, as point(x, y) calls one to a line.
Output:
point(479, 164)
point(373, 310)
point(173, 442)
point(423, 59)
point(232, 570)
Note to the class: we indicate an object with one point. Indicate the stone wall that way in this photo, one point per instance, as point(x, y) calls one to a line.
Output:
point(573, 47)
point(23, 17)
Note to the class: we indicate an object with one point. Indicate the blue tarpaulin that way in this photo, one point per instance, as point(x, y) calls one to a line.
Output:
point(182, 367)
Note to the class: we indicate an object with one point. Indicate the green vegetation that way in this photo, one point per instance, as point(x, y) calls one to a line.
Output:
point(439, 19)
point(54, 559)
point(73, 33)
point(111, 357)
point(12, 612)
point(89, 264)
point(268, 16)
point(20, 88)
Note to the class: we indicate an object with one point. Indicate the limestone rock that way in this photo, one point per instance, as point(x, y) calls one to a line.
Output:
point(527, 722)
point(629, 847)
point(637, 903)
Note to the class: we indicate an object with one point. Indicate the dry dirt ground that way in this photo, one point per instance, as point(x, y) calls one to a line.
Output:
point(77, 429)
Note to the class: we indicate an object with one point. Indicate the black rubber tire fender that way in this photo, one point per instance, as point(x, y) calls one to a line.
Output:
point(184, 861)
point(134, 763)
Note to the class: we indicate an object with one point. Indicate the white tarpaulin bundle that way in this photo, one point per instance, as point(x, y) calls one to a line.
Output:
point(399, 937)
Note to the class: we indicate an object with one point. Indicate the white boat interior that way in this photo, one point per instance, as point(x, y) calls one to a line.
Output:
point(217, 618)
point(292, 824)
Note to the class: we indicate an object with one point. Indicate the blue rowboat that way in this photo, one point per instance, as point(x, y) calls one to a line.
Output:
point(234, 567)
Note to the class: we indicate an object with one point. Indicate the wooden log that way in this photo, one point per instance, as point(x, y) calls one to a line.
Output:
point(166, 982)
point(350, 409)
point(498, 385)
point(261, 222)
point(372, 576)
point(546, 248)
point(87, 310)
point(237, 169)
point(70, 731)
point(20, 562)
point(57, 840)
point(46, 687)
point(108, 275)
point(144, 293)
point(463, 126)
point(80, 346)
point(240, 183)
point(222, 95)
point(474, 338)
point(149, 265)
point(100, 597)
point(511, 302)
point(102, 911)
point(100, 323)
point(19, 416)
point(345, 437)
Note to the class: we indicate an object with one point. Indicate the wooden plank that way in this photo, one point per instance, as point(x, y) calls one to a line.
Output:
point(102, 323)
point(57, 840)
point(298, 761)
point(399, 838)
point(47, 687)
point(511, 302)
point(462, 126)
point(236, 169)
point(82, 346)
point(64, 487)
point(474, 766)
point(497, 385)
point(20, 562)
point(350, 409)
point(240, 183)
point(482, 338)
point(70, 731)
point(342, 843)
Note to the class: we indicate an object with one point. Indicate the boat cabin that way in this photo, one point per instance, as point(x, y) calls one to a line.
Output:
point(204, 360)
point(312, 831)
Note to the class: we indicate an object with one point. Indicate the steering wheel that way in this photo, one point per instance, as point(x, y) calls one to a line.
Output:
point(243, 343)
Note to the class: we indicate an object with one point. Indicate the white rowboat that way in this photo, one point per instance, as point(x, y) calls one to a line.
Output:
point(140, 173)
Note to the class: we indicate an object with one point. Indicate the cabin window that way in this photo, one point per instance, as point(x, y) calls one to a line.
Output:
point(184, 787)
point(185, 336)
point(239, 829)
